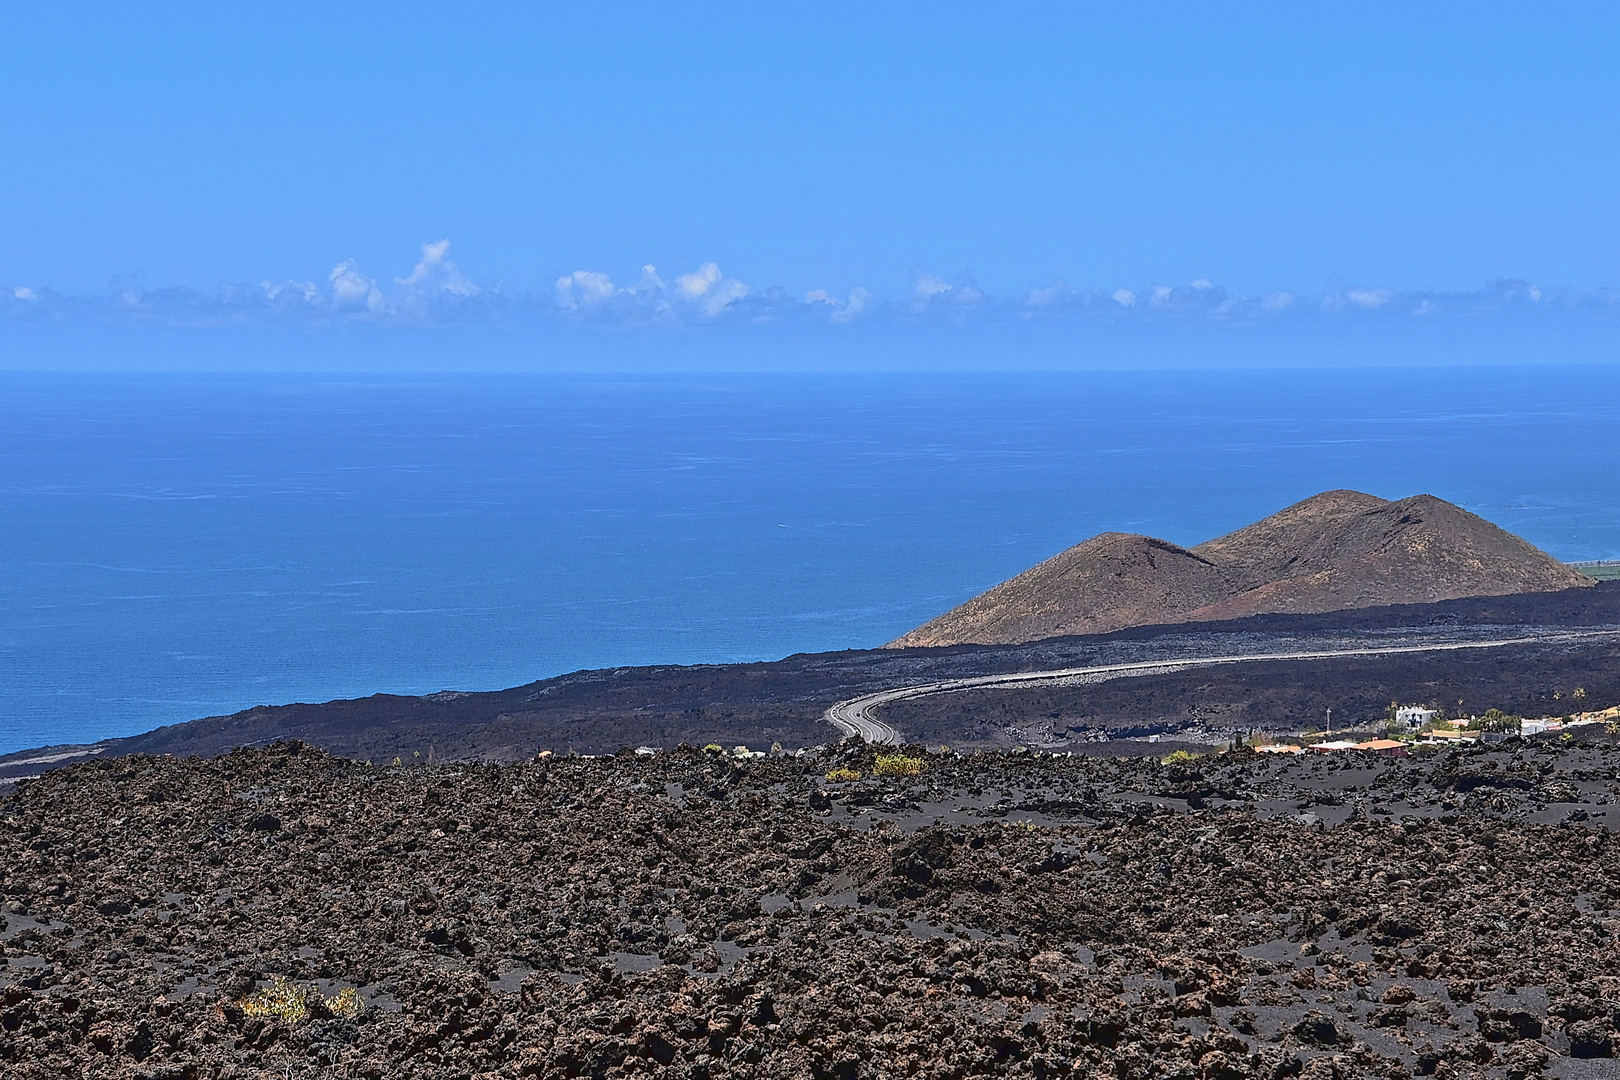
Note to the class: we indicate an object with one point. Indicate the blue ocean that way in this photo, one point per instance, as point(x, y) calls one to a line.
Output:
point(176, 546)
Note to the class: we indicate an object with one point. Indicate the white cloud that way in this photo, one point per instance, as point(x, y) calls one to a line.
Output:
point(650, 281)
point(705, 290)
point(303, 290)
point(435, 273)
point(1048, 295)
point(842, 311)
point(931, 289)
point(584, 288)
point(1278, 301)
point(927, 286)
point(1515, 290)
point(693, 285)
point(1161, 293)
point(1124, 298)
point(722, 295)
point(859, 300)
point(23, 292)
point(651, 293)
point(352, 290)
point(1203, 283)
point(1369, 298)
point(708, 289)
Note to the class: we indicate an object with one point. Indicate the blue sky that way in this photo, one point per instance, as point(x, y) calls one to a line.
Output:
point(187, 167)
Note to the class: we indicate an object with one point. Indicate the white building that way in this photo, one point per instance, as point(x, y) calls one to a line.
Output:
point(1332, 746)
point(1414, 716)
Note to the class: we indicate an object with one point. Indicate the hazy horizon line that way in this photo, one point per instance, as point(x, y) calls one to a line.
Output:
point(436, 291)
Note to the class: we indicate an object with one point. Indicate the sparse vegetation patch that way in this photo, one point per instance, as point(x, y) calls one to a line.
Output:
point(898, 765)
point(292, 1004)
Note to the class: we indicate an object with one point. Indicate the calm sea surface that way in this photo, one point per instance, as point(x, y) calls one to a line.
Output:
point(180, 546)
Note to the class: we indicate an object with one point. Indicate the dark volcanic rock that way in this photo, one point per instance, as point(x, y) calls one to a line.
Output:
point(688, 915)
point(784, 701)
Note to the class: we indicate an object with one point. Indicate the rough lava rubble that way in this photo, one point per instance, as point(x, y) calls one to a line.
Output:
point(690, 915)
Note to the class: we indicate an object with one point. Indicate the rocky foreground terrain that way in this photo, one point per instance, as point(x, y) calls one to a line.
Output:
point(690, 915)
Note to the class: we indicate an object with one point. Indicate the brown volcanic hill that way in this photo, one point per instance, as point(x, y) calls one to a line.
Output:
point(1336, 550)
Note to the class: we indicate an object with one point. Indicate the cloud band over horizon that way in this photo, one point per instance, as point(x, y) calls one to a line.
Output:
point(436, 292)
point(436, 289)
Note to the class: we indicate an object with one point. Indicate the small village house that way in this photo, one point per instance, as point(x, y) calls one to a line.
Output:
point(1414, 716)
point(1331, 746)
point(1383, 748)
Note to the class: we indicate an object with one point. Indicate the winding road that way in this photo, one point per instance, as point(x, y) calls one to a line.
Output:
point(855, 716)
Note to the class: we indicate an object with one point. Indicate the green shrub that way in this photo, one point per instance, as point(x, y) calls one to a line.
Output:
point(842, 775)
point(898, 765)
point(1179, 757)
point(293, 1005)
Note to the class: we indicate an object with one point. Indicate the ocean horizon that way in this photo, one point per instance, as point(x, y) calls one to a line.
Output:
point(185, 545)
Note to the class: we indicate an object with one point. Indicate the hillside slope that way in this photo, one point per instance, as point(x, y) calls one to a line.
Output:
point(1331, 552)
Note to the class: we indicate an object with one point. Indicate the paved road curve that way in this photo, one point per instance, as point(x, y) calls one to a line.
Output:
point(856, 715)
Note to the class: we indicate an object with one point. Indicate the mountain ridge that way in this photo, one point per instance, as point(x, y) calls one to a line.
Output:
point(1334, 551)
